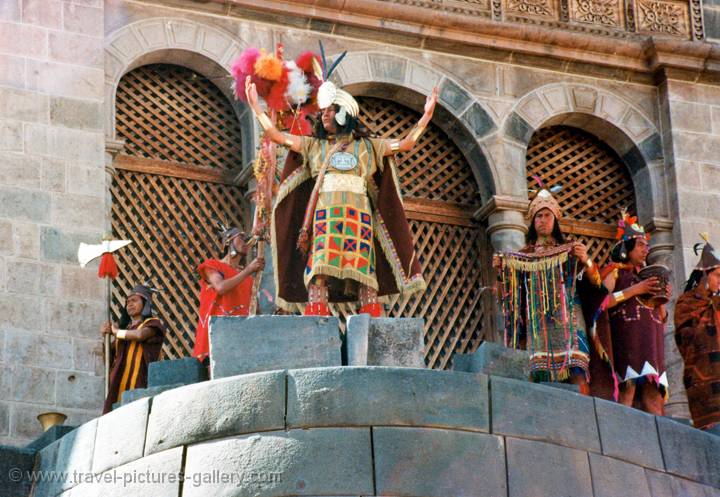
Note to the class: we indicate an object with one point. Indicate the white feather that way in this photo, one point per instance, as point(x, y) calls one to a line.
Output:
point(298, 88)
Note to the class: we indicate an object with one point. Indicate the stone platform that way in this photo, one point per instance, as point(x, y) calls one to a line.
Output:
point(377, 430)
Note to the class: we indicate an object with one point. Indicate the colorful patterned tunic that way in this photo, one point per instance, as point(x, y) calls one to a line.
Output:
point(343, 243)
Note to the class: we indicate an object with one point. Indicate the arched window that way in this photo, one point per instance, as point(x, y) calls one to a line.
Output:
point(440, 195)
point(171, 186)
point(595, 182)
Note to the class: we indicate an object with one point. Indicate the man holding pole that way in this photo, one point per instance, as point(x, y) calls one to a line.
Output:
point(138, 341)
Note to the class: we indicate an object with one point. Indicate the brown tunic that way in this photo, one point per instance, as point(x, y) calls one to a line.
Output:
point(638, 347)
point(132, 357)
point(697, 316)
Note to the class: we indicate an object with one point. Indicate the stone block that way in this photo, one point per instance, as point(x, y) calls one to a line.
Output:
point(33, 385)
point(568, 387)
point(423, 77)
point(11, 140)
point(142, 393)
point(11, 10)
point(53, 175)
point(22, 40)
point(60, 245)
point(394, 342)
point(30, 349)
point(322, 461)
point(4, 415)
point(76, 319)
point(388, 68)
point(24, 205)
point(533, 411)
point(75, 453)
point(81, 284)
point(690, 116)
point(24, 106)
point(75, 49)
point(517, 128)
point(26, 238)
point(32, 278)
point(86, 181)
point(133, 479)
point(75, 113)
point(421, 461)
point(542, 469)
point(455, 98)
point(388, 396)
point(81, 19)
point(53, 434)
point(7, 247)
point(494, 359)
point(21, 171)
point(216, 409)
point(79, 390)
point(613, 478)
point(78, 211)
point(185, 371)
point(44, 13)
point(15, 467)
point(478, 120)
point(65, 80)
point(700, 464)
point(241, 345)
point(664, 485)
point(121, 436)
point(615, 421)
point(45, 461)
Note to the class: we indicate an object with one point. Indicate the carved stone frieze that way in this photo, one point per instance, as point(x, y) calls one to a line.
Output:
point(602, 12)
point(545, 9)
point(663, 17)
point(464, 7)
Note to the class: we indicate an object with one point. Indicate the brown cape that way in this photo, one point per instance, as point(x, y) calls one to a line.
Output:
point(697, 317)
point(397, 266)
point(137, 355)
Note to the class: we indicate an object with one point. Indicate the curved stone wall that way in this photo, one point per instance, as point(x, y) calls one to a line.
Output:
point(357, 431)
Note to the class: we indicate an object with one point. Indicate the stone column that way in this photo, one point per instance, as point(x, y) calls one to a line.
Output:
point(661, 243)
point(506, 221)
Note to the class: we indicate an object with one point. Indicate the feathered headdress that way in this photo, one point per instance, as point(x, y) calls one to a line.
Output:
point(628, 228)
point(329, 94)
point(544, 200)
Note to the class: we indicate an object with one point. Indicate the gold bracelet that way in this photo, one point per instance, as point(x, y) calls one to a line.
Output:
point(415, 135)
point(264, 121)
point(589, 263)
point(121, 334)
point(288, 142)
point(395, 145)
point(619, 297)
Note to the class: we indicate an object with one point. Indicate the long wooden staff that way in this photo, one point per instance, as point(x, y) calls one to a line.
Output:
point(265, 178)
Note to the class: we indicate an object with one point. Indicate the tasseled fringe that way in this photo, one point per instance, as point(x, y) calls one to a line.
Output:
point(108, 268)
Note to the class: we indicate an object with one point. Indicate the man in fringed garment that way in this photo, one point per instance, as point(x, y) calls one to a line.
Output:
point(138, 341)
point(549, 290)
point(225, 286)
point(697, 323)
point(338, 225)
point(630, 333)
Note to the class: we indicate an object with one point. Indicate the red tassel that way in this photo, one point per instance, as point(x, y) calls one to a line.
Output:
point(108, 268)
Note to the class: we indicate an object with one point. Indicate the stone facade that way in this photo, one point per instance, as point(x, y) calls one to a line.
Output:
point(52, 196)
point(655, 100)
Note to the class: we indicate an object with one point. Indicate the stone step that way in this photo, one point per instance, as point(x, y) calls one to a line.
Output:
point(185, 371)
point(495, 360)
point(141, 393)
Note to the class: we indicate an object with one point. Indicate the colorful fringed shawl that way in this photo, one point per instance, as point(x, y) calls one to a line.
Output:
point(540, 304)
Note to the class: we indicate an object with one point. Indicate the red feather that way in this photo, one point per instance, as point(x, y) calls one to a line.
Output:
point(277, 98)
point(304, 61)
point(108, 268)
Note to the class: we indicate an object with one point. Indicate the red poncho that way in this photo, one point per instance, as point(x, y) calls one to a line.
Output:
point(236, 302)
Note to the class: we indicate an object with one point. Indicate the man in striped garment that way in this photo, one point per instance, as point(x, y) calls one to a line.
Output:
point(138, 341)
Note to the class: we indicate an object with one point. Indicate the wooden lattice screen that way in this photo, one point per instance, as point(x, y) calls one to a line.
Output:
point(172, 185)
point(440, 196)
point(596, 184)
